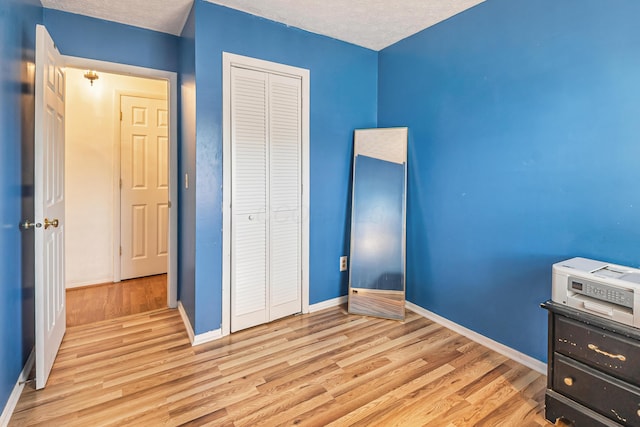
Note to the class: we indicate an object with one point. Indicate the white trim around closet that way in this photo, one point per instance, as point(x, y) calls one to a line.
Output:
point(229, 60)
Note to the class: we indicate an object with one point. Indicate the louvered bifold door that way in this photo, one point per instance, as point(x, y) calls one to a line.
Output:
point(249, 265)
point(266, 197)
point(284, 195)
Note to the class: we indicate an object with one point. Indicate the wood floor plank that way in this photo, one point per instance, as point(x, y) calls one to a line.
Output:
point(490, 397)
point(291, 416)
point(325, 368)
point(429, 402)
point(368, 414)
point(93, 303)
point(389, 344)
point(269, 406)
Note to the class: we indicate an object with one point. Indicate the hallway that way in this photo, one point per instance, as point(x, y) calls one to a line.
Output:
point(95, 303)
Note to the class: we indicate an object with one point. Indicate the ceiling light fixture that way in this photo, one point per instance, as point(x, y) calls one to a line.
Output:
point(91, 75)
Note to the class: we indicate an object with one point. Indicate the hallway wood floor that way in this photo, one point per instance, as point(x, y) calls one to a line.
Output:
point(325, 368)
point(94, 303)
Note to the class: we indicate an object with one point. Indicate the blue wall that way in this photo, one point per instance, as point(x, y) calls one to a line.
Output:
point(523, 119)
point(187, 161)
point(343, 97)
point(85, 37)
point(18, 19)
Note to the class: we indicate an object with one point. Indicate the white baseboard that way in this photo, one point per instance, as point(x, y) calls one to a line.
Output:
point(519, 357)
point(207, 337)
point(200, 338)
point(92, 282)
point(217, 333)
point(185, 320)
point(17, 390)
point(327, 304)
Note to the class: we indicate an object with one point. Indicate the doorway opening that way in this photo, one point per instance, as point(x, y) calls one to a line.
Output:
point(49, 191)
point(121, 176)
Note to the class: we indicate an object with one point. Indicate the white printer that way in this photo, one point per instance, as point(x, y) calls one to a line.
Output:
point(606, 290)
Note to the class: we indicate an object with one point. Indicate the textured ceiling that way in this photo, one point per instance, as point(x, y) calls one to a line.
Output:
point(374, 24)
point(167, 16)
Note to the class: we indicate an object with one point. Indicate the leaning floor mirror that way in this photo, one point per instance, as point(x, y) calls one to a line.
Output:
point(378, 223)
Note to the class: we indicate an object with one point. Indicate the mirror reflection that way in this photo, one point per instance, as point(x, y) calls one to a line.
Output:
point(377, 273)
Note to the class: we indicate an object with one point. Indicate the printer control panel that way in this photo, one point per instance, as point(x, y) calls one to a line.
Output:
point(601, 291)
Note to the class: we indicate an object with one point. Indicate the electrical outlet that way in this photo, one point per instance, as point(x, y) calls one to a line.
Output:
point(343, 263)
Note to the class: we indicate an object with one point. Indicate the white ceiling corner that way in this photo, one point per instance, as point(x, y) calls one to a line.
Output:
point(374, 24)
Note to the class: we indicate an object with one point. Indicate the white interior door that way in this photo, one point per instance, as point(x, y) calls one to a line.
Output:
point(266, 189)
point(144, 195)
point(49, 204)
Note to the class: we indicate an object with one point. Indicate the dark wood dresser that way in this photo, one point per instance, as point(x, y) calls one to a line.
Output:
point(593, 370)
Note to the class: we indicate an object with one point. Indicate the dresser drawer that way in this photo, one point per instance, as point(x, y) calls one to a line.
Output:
point(558, 406)
point(607, 351)
point(609, 396)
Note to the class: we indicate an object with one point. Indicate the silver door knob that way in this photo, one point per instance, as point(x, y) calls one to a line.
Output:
point(48, 223)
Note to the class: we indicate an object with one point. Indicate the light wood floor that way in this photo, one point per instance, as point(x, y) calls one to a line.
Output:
point(322, 369)
point(90, 304)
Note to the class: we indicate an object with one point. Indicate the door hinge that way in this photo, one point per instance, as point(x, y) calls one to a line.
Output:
point(169, 204)
point(27, 381)
point(120, 182)
point(120, 250)
point(120, 115)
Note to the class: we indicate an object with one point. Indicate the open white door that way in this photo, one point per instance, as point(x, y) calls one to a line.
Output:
point(144, 193)
point(49, 204)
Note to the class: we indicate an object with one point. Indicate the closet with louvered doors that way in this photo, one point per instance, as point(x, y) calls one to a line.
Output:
point(265, 197)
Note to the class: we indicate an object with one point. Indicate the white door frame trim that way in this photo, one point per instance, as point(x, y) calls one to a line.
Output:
point(172, 80)
point(229, 60)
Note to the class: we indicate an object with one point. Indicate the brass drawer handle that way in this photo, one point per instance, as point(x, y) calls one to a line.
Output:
point(595, 348)
point(568, 381)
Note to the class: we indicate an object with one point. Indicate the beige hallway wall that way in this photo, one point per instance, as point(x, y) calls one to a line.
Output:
point(92, 132)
